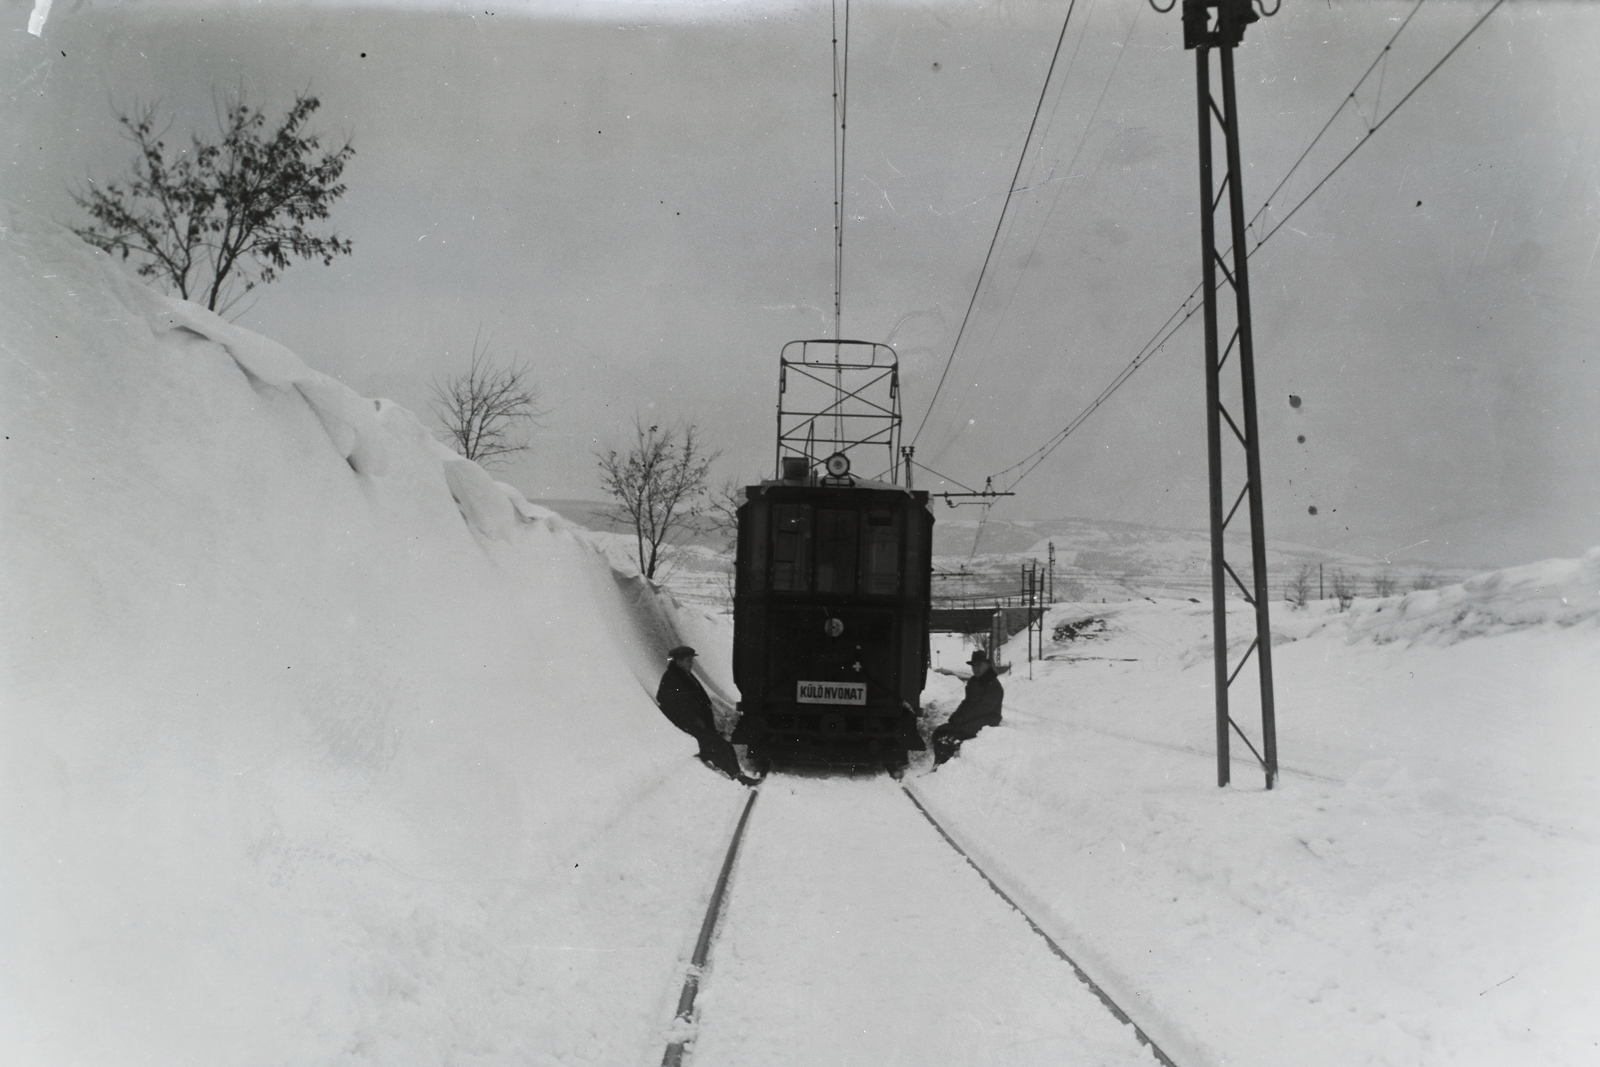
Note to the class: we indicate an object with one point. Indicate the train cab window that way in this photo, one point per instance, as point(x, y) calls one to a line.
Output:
point(791, 548)
point(883, 552)
point(753, 546)
point(919, 537)
point(836, 551)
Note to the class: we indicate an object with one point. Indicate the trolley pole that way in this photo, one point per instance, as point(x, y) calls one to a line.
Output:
point(1220, 24)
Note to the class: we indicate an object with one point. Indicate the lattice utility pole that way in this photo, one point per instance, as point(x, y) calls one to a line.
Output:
point(1220, 24)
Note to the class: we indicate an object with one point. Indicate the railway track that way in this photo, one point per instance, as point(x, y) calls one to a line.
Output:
point(851, 934)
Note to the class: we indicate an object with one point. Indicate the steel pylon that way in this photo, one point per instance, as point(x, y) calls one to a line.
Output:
point(1220, 25)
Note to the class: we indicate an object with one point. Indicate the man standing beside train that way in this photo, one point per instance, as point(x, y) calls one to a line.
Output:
point(979, 708)
point(685, 703)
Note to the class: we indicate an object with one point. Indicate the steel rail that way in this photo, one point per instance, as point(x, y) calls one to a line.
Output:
point(673, 1057)
point(1083, 976)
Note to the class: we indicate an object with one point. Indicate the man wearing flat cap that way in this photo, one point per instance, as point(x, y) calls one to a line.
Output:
point(685, 703)
point(979, 708)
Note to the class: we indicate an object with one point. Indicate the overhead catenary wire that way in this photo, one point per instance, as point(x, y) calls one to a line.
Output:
point(1348, 99)
point(1379, 124)
point(999, 223)
point(1072, 160)
point(1187, 309)
point(943, 477)
point(841, 105)
point(841, 102)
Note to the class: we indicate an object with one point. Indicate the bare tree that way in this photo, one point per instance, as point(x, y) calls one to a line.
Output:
point(215, 219)
point(721, 517)
point(486, 409)
point(659, 485)
point(1344, 587)
point(1425, 580)
point(1297, 590)
point(1384, 584)
point(722, 521)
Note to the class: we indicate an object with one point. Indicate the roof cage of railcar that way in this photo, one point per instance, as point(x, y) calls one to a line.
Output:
point(838, 397)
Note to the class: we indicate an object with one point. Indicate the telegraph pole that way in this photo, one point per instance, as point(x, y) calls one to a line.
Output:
point(1220, 25)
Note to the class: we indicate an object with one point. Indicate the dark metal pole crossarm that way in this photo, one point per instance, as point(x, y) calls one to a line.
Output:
point(980, 496)
point(953, 499)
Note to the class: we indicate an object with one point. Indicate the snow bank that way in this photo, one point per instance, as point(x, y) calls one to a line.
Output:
point(317, 739)
point(1554, 592)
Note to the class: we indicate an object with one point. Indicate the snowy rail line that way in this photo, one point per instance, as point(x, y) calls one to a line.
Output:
point(1093, 987)
point(851, 934)
point(702, 946)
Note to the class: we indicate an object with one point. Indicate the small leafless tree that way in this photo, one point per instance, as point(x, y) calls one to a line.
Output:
point(722, 521)
point(659, 486)
point(217, 218)
point(1425, 580)
point(721, 513)
point(1384, 584)
point(1344, 587)
point(487, 409)
point(1297, 590)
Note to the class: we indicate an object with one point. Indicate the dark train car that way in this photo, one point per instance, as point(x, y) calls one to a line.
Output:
point(830, 645)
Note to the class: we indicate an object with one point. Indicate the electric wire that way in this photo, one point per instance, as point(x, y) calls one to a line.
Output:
point(1374, 129)
point(982, 521)
point(1336, 113)
point(999, 223)
point(841, 104)
point(1168, 328)
point(1072, 162)
point(943, 477)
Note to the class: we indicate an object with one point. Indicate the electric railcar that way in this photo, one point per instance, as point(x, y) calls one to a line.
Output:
point(830, 645)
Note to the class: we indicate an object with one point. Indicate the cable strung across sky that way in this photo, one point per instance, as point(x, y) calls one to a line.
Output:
point(1189, 307)
point(989, 255)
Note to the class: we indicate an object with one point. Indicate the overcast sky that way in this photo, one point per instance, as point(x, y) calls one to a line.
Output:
point(637, 201)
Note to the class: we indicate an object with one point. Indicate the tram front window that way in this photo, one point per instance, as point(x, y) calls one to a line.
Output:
point(836, 551)
point(883, 553)
point(791, 548)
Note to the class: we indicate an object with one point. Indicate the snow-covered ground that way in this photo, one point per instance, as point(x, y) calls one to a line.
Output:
point(854, 934)
point(322, 747)
point(1419, 888)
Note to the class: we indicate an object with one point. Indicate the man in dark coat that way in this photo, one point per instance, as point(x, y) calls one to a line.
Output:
point(979, 708)
point(685, 703)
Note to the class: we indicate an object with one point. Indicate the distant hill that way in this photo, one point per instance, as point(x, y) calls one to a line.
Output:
point(1101, 558)
point(1095, 559)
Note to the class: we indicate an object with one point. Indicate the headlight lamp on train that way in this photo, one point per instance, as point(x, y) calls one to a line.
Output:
point(833, 627)
point(838, 465)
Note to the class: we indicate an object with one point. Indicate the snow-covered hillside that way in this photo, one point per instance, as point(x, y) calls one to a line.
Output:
point(309, 727)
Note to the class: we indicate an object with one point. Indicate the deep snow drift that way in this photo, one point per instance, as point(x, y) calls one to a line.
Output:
point(310, 729)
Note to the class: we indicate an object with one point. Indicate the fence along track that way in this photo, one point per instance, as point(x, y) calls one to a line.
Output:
point(1089, 983)
point(673, 1057)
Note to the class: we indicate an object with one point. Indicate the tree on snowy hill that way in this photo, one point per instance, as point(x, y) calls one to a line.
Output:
point(1385, 583)
point(485, 409)
point(1344, 587)
point(659, 486)
point(1297, 590)
point(216, 219)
